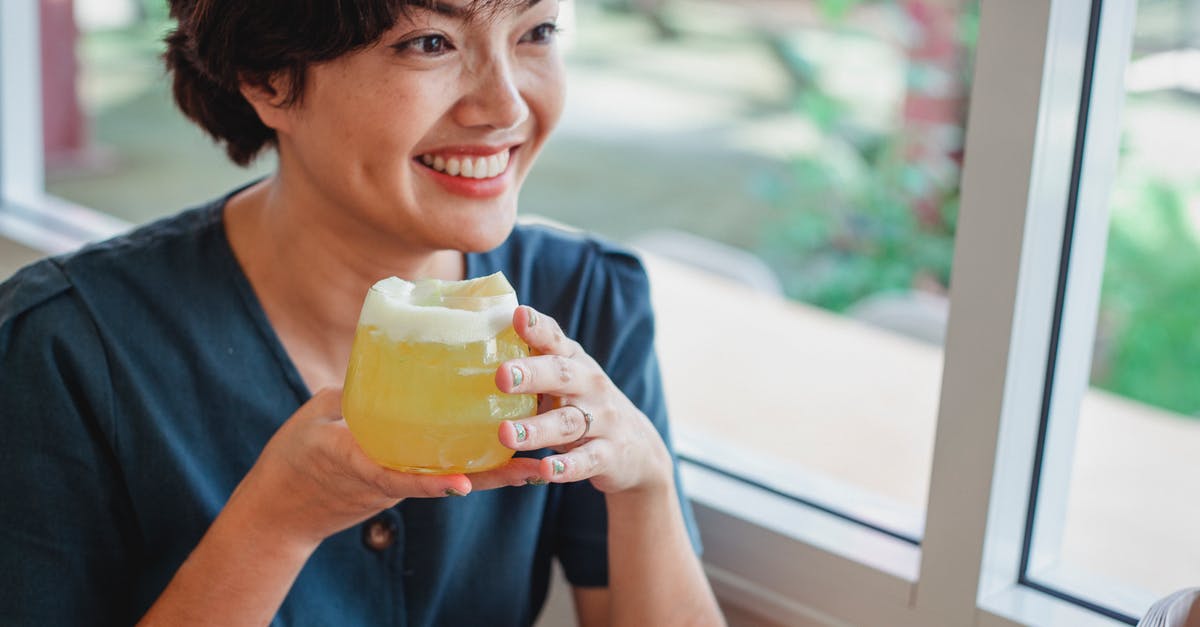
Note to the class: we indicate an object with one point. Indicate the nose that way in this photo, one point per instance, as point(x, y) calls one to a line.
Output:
point(493, 100)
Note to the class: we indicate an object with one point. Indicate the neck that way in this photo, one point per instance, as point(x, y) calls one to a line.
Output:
point(311, 265)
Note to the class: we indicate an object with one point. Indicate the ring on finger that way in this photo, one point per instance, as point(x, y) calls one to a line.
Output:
point(587, 420)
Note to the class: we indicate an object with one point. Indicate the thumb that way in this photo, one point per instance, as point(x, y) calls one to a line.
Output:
point(402, 485)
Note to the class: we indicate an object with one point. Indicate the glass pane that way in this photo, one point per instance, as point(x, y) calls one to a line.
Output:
point(791, 171)
point(790, 168)
point(114, 139)
point(1123, 531)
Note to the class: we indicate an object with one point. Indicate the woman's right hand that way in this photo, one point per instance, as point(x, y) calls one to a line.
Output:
point(312, 479)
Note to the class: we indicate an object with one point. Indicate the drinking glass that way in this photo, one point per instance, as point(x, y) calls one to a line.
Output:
point(420, 393)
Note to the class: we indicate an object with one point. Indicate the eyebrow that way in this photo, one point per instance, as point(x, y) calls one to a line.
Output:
point(449, 10)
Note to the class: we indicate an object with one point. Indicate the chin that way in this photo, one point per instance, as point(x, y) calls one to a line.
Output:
point(481, 236)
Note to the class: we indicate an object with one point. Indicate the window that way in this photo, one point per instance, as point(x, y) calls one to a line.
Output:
point(792, 170)
point(1114, 522)
point(114, 140)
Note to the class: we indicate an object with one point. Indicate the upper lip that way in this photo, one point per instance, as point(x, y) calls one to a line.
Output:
point(470, 150)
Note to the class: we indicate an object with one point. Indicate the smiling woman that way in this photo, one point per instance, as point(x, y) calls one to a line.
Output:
point(178, 452)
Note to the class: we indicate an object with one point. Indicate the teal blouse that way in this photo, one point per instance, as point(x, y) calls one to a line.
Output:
point(140, 379)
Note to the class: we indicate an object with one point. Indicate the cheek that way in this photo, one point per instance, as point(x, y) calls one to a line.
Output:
point(547, 95)
point(390, 120)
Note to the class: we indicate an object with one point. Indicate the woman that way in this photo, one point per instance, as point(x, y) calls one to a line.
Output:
point(166, 461)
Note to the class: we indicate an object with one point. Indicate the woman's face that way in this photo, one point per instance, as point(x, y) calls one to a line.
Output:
point(427, 135)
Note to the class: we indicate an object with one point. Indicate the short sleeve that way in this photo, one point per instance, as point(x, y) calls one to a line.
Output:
point(65, 523)
point(617, 329)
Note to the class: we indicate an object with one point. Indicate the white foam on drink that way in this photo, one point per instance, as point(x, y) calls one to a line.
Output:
point(419, 312)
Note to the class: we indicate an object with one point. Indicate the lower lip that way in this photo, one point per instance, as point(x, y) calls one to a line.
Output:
point(471, 188)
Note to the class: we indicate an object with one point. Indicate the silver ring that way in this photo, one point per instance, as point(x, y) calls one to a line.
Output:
point(587, 421)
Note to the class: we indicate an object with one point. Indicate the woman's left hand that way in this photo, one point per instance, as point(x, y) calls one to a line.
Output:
point(596, 431)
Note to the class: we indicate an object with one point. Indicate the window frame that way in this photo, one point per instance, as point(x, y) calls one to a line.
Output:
point(1077, 305)
point(28, 214)
point(780, 558)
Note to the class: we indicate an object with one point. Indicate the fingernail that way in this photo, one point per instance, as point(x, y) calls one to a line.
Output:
point(531, 319)
point(558, 466)
point(535, 481)
point(453, 492)
point(521, 432)
point(518, 376)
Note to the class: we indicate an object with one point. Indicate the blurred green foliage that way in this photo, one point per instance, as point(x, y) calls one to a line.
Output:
point(856, 218)
point(1149, 347)
point(846, 231)
point(847, 222)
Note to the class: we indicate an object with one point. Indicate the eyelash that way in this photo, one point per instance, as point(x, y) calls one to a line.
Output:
point(414, 45)
point(548, 30)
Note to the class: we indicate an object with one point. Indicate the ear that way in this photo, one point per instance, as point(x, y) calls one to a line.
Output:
point(269, 100)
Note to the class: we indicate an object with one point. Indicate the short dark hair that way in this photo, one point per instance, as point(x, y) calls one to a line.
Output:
point(220, 44)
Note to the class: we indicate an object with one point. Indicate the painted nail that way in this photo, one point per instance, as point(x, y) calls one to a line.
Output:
point(535, 481)
point(532, 318)
point(558, 466)
point(518, 376)
point(453, 492)
point(522, 433)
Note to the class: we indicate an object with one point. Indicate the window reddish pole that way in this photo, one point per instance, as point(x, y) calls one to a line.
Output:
point(64, 130)
point(936, 99)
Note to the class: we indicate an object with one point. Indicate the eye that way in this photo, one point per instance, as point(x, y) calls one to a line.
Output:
point(431, 45)
point(541, 34)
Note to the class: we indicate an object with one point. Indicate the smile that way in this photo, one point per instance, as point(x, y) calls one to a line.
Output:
point(465, 166)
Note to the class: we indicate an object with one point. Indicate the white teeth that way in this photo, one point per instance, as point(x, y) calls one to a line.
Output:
point(467, 167)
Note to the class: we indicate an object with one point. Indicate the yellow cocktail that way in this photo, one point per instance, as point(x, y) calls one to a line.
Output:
point(420, 392)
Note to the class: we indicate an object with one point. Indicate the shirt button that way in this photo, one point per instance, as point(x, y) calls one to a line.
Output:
point(379, 534)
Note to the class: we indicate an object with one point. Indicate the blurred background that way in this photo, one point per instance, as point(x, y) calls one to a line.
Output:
point(822, 137)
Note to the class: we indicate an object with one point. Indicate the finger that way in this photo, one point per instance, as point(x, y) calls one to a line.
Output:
point(582, 462)
point(565, 425)
point(542, 333)
point(547, 374)
point(517, 472)
point(402, 485)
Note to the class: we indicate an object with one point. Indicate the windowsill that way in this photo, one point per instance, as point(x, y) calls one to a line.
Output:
point(816, 401)
point(1017, 606)
point(14, 254)
point(782, 560)
point(51, 225)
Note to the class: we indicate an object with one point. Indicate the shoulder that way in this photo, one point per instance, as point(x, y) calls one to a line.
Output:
point(50, 351)
point(154, 250)
point(110, 277)
point(552, 238)
point(597, 290)
point(39, 286)
point(60, 299)
point(545, 259)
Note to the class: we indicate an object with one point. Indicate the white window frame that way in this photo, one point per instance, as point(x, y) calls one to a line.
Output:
point(27, 214)
point(779, 558)
point(1085, 247)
